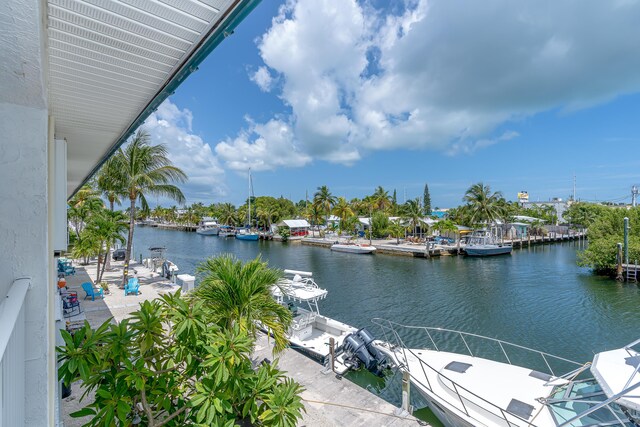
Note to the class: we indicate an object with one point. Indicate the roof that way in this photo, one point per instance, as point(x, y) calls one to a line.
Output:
point(112, 63)
point(527, 218)
point(294, 223)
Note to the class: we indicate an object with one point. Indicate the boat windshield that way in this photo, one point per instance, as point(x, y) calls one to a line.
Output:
point(576, 397)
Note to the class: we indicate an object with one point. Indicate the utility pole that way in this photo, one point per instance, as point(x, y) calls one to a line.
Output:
point(634, 196)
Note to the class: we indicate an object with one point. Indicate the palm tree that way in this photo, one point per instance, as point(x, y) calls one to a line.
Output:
point(397, 230)
point(343, 211)
point(412, 211)
point(381, 199)
point(146, 169)
point(106, 228)
point(484, 206)
point(314, 214)
point(227, 214)
point(325, 200)
point(109, 181)
point(85, 202)
point(240, 294)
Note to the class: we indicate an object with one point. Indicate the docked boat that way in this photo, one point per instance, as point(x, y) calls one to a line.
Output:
point(246, 234)
point(208, 228)
point(484, 243)
point(353, 248)
point(469, 380)
point(157, 262)
point(227, 231)
point(311, 332)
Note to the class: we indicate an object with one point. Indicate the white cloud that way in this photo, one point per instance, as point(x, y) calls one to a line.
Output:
point(171, 126)
point(469, 147)
point(262, 77)
point(442, 74)
point(262, 147)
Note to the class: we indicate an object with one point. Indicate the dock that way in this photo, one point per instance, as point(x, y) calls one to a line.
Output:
point(330, 401)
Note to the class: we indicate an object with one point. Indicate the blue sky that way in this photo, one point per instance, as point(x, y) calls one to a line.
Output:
point(359, 94)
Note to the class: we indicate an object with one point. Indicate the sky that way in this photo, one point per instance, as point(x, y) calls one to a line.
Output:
point(522, 96)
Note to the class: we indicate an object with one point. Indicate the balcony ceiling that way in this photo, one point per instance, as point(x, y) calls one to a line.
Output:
point(112, 61)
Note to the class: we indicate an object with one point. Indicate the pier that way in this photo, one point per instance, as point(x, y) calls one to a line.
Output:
point(330, 401)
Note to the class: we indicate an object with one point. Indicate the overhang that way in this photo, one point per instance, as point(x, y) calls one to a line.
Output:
point(113, 62)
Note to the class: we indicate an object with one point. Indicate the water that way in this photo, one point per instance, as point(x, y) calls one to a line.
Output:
point(536, 297)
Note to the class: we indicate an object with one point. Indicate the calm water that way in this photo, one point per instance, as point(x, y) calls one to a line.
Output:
point(537, 297)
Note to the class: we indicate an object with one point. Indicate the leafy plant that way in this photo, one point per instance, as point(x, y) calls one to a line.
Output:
point(284, 232)
point(170, 365)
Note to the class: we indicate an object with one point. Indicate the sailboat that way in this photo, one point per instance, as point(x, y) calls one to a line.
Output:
point(246, 233)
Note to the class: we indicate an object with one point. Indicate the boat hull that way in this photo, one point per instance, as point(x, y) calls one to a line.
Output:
point(250, 237)
point(208, 232)
point(480, 251)
point(353, 249)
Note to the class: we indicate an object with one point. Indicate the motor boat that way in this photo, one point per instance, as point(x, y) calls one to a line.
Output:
point(353, 248)
point(484, 243)
point(310, 331)
point(227, 231)
point(469, 380)
point(208, 228)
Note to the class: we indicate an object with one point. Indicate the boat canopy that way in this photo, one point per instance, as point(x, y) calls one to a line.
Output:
point(299, 288)
point(617, 374)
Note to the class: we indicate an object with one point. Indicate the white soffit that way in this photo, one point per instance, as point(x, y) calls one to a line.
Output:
point(108, 59)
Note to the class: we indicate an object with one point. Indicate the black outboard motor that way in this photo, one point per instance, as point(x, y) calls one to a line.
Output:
point(358, 348)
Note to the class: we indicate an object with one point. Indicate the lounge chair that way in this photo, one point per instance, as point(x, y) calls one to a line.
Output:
point(66, 269)
point(92, 292)
point(132, 286)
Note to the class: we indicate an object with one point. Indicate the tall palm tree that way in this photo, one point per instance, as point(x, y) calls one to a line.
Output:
point(314, 214)
point(397, 230)
point(412, 211)
point(381, 199)
point(325, 200)
point(106, 228)
point(342, 210)
point(85, 202)
point(240, 294)
point(147, 169)
point(109, 181)
point(227, 214)
point(484, 205)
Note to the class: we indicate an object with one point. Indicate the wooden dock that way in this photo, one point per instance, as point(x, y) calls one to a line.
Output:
point(330, 401)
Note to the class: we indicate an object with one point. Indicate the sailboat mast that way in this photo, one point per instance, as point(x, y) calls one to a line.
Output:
point(250, 191)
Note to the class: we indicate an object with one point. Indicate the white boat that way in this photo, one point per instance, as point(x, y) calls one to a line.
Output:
point(310, 331)
point(484, 243)
point(227, 231)
point(247, 233)
point(208, 228)
point(489, 386)
point(353, 248)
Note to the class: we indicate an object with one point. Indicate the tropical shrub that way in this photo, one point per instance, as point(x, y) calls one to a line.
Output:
point(170, 365)
point(379, 225)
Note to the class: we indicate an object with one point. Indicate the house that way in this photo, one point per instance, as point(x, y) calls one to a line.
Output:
point(78, 79)
point(297, 227)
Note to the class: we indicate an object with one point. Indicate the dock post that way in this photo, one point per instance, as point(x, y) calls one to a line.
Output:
point(332, 349)
point(405, 410)
point(619, 276)
point(626, 240)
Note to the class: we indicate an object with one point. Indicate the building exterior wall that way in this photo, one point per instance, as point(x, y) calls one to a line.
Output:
point(24, 212)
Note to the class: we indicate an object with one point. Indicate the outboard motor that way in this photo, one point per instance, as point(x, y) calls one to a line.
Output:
point(166, 272)
point(358, 348)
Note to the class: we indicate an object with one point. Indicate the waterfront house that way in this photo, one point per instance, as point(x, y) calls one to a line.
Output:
point(78, 79)
point(297, 227)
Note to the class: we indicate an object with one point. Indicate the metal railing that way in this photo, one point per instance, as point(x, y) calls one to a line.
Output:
point(12, 354)
point(465, 397)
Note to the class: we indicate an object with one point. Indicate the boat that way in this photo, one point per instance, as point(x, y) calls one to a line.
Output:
point(208, 228)
point(158, 263)
point(353, 248)
point(227, 231)
point(484, 243)
point(247, 233)
point(310, 332)
point(471, 380)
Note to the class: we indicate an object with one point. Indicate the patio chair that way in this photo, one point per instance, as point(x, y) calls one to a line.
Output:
point(92, 292)
point(69, 305)
point(132, 286)
point(66, 268)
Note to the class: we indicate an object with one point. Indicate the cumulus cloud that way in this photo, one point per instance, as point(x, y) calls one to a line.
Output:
point(171, 126)
point(262, 147)
point(442, 74)
point(262, 77)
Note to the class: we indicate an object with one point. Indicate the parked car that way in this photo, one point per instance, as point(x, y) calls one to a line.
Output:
point(118, 255)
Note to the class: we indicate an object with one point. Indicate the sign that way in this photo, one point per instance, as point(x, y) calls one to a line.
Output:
point(523, 196)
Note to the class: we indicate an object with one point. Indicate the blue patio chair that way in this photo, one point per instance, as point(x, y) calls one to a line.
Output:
point(66, 268)
point(132, 286)
point(92, 292)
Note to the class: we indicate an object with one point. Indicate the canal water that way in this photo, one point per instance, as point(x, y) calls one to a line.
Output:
point(537, 297)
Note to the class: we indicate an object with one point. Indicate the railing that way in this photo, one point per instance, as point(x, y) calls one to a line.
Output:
point(466, 399)
point(12, 354)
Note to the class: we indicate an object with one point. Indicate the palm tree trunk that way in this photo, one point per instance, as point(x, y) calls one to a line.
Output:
point(127, 257)
point(98, 266)
point(106, 261)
